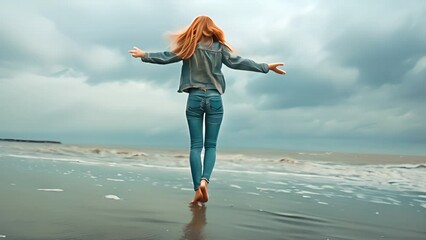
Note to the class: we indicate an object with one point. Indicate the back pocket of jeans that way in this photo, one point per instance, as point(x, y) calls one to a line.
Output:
point(216, 104)
point(193, 103)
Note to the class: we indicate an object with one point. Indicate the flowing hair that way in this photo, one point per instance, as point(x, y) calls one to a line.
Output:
point(184, 43)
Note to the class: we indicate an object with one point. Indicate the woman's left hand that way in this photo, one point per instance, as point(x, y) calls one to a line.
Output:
point(136, 52)
point(274, 67)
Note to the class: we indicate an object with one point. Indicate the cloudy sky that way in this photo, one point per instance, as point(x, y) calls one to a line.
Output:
point(356, 73)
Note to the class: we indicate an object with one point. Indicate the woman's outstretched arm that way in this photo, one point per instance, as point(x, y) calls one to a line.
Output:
point(158, 57)
point(237, 62)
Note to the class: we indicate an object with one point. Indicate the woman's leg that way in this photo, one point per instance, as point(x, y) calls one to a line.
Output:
point(196, 135)
point(214, 116)
point(194, 116)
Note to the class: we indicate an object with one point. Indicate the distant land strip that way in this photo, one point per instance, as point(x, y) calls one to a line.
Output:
point(28, 141)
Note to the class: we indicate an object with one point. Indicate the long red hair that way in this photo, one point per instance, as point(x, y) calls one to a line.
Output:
point(185, 42)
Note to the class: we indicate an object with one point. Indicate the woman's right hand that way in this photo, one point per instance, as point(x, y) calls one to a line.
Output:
point(274, 67)
point(136, 52)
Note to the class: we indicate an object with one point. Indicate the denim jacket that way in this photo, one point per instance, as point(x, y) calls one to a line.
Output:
point(203, 68)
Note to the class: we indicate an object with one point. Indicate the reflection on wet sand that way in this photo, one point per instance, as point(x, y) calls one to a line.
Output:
point(194, 229)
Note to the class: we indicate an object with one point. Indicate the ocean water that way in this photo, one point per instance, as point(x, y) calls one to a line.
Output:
point(50, 191)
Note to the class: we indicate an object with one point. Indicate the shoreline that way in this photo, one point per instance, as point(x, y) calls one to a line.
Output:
point(231, 154)
point(28, 140)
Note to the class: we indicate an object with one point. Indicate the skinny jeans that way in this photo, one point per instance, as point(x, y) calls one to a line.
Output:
point(203, 107)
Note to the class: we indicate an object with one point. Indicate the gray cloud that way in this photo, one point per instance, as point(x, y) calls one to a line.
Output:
point(383, 58)
point(303, 88)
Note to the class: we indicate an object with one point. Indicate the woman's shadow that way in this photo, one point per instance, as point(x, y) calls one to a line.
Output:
point(194, 230)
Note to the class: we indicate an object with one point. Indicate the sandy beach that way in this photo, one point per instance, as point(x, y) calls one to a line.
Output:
point(92, 192)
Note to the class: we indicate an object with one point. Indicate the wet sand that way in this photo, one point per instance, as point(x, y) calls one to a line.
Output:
point(56, 199)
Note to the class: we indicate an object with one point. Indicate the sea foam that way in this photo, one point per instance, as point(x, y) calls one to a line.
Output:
point(50, 189)
point(112, 197)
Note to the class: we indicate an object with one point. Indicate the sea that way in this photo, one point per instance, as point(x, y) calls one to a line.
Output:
point(66, 191)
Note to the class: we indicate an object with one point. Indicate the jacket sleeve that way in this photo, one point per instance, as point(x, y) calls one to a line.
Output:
point(237, 62)
point(160, 57)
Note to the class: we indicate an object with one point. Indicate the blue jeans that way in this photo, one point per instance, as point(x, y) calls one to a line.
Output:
point(203, 106)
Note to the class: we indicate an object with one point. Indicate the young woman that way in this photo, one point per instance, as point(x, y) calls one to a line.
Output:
point(203, 50)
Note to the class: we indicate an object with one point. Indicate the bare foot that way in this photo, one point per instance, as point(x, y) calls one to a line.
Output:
point(198, 197)
point(204, 190)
